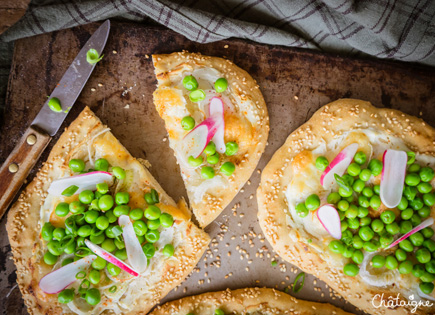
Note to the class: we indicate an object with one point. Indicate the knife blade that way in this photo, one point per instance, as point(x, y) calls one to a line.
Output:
point(18, 164)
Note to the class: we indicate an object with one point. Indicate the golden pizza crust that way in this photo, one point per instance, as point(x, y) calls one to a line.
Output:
point(23, 225)
point(246, 301)
point(251, 138)
point(328, 122)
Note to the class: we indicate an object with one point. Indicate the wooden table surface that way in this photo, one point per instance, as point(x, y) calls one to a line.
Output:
point(295, 83)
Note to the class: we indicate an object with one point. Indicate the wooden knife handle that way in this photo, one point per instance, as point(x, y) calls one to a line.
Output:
point(18, 165)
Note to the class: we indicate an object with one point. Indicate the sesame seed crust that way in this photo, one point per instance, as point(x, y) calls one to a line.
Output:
point(24, 222)
point(246, 301)
point(247, 98)
point(328, 123)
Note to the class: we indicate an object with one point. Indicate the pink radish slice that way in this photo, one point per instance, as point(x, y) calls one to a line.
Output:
point(216, 107)
point(97, 250)
point(135, 254)
point(338, 165)
point(57, 280)
point(419, 227)
point(194, 143)
point(330, 220)
point(83, 181)
point(393, 177)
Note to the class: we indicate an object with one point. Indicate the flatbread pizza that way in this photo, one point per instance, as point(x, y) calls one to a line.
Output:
point(94, 233)
point(217, 124)
point(349, 198)
point(245, 301)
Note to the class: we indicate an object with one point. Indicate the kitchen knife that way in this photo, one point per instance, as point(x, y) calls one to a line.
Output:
point(36, 138)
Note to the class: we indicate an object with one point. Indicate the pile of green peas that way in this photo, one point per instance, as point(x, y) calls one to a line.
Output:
point(94, 216)
point(211, 155)
point(361, 232)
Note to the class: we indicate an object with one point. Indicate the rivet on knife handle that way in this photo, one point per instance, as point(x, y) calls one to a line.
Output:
point(15, 169)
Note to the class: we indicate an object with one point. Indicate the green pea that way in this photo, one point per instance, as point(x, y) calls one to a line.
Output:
point(312, 202)
point(363, 201)
point(188, 123)
point(86, 197)
point(301, 210)
point(99, 263)
point(62, 209)
point(190, 83)
point(322, 163)
point(108, 245)
point(336, 246)
point(377, 226)
point(221, 85)
point(370, 246)
point(365, 175)
point(54, 248)
point(65, 296)
point(113, 270)
point(345, 193)
point(47, 231)
point(152, 212)
point(84, 231)
point(58, 233)
point(358, 185)
point(333, 198)
point(102, 165)
point(346, 236)
point(141, 238)
point(207, 172)
point(94, 205)
point(103, 188)
point(50, 259)
point(377, 189)
point(140, 228)
point(353, 223)
point(342, 215)
point(426, 287)
point(388, 216)
point(417, 239)
point(424, 212)
point(375, 202)
point(375, 166)
point(405, 227)
point(358, 257)
point(122, 198)
point(424, 188)
point(153, 224)
point(76, 165)
point(136, 214)
point(360, 158)
point(415, 219)
point(197, 96)
point(351, 270)
point(149, 250)
point(118, 172)
point(91, 216)
point(406, 245)
point(423, 255)
point(368, 192)
point(378, 261)
point(213, 159)
point(228, 168)
point(210, 149)
point(414, 168)
point(121, 210)
point(412, 179)
point(416, 204)
point(120, 244)
point(166, 220)
point(430, 266)
point(93, 296)
point(343, 205)
point(427, 277)
point(110, 216)
point(219, 312)
point(354, 169)
point(344, 225)
point(168, 250)
point(106, 202)
point(231, 148)
point(152, 236)
point(76, 207)
point(357, 242)
point(391, 262)
point(427, 232)
point(426, 174)
point(410, 192)
point(121, 254)
point(94, 276)
point(365, 221)
point(407, 214)
point(405, 267)
point(102, 223)
point(366, 233)
point(429, 199)
point(97, 239)
point(401, 255)
point(362, 212)
point(352, 212)
point(403, 204)
point(195, 162)
point(392, 228)
point(418, 270)
point(348, 252)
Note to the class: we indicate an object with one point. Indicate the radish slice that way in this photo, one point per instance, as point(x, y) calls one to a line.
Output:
point(330, 220)
point(393, 177)
point(216, 107)
point(338, 165)
point(424, 295)
point(196, 140)
point(87, 181)
point(135, 254)
point(57, 280)
point(419, 227)
point(110, 258)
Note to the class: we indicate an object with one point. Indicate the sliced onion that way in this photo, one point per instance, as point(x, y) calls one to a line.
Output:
point(135, 254)
point(386, 278)
point(393, 177)
point(330, 220)
point(97, 250)
point(57, 280)
point(424, 295)
point(87, 181)
point(194, 143)
point(338, 165)
point(419, 227)
point(216, 107)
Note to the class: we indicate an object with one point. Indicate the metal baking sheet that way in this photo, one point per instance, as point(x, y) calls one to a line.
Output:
point(295, 83)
